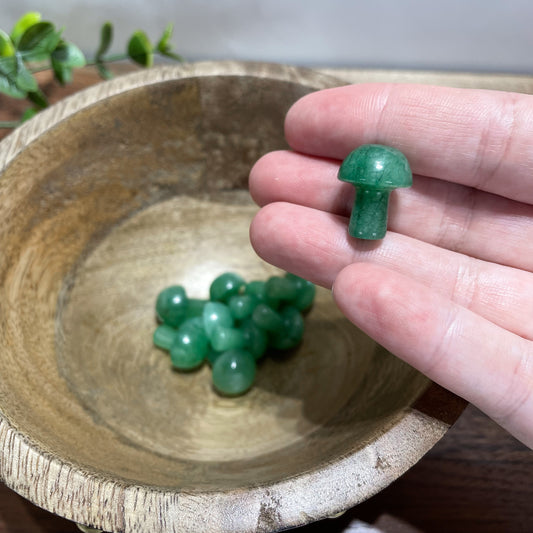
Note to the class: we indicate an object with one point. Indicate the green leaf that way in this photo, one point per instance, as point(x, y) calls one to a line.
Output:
point(172, 55)
point(68, 54)
point(8, 66)
point(38, 98)
point(163, 44)
point(140, 50)
point(6, 45)
point(16, 80)
point(39, 41)
point(103, 71)
point(106, 38)
point(62, 73)
point(8, 86)
point(24, 78)
point(29, 113)
point(23, 23)
point(64, 58)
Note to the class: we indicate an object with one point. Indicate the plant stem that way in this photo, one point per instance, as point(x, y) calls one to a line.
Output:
point(40, 69)
point(9, 124)
point(90, 63)
point(108, 59)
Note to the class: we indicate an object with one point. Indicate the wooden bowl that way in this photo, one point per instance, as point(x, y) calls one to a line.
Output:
point(108, 197)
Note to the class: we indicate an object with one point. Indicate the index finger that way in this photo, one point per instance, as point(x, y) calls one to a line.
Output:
point(478, 138)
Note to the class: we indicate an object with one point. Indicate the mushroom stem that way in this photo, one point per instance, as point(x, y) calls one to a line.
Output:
point(369, 215)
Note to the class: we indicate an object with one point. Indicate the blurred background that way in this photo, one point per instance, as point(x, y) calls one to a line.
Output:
point(473, 35)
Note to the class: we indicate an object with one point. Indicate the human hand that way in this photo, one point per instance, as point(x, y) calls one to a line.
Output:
point(450, 287)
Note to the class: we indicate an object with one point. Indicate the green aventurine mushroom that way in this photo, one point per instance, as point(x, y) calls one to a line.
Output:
point(375, 170)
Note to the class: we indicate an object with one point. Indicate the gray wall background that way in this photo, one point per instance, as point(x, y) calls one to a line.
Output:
point(475, 35)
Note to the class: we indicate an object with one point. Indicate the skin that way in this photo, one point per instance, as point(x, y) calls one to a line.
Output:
point(450, 287)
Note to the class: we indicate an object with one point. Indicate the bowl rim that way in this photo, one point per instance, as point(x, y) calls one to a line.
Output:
point(117, 505)
point(50, 117)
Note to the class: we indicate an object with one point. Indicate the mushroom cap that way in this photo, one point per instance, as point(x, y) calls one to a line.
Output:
point(375, 166)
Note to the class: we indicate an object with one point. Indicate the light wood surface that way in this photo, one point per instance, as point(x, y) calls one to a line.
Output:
point(474, 462)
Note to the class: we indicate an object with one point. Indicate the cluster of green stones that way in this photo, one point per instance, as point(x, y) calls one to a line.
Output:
point(234, 329)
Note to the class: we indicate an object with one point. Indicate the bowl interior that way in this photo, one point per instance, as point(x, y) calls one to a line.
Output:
point(125, 197)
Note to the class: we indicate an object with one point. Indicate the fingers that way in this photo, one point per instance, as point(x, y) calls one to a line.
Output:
point(452, 216)
point(285, 176)
point(444, 341)
point(474, 137)
point(315, 245)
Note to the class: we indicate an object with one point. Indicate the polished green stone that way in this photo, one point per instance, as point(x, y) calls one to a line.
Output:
point(225, 286)
point(171, 305)
point(194, 322)
point(257, 289)
point(292, 332)
point(164, 336)
point(216, 314)
point(242, 305)
point(305, 292)
point(212, 356)
point(375, 170)
point(266, 318)
point(234, 372)
point(255, 339)
point(279, 288)
point(224, 339)
point(190, 347)
point(195, 307)
point(183, 358)
point(369, 216)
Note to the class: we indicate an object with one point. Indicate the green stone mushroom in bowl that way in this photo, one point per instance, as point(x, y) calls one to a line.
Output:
point(375, 170)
